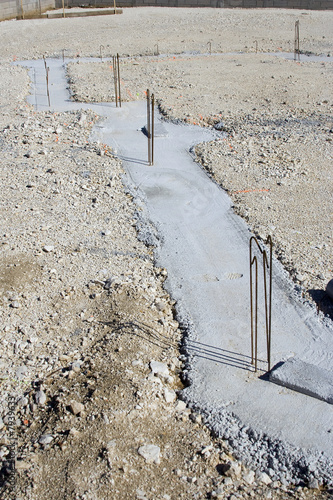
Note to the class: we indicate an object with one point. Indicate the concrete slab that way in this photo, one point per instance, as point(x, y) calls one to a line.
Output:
point(305, 378)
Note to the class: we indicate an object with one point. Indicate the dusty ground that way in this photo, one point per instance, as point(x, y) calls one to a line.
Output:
point(83, 310)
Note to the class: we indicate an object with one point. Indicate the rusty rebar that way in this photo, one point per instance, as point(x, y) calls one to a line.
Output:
point(267, 265)
point(47, 85)
point(152, 127)
point(118, 78)
point(114, 65)
point(148, 127)
point(297, 55)
point(156, 53)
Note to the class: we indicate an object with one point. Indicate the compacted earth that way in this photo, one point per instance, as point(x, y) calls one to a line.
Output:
point(90, 363)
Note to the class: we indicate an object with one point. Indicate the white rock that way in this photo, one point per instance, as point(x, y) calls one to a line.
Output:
point(169, 395)
point(76, 408)
point(264, 478)
point(48, 248)
point(40, 397)
point(181, 406)
point(249, 477)
point(150, 452)
point(45, 439)
point(159, 369)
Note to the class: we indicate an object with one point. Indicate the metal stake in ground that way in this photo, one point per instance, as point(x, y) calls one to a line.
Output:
point(118, 78)
point(114, 62)
point(150, 126)
point(297, 55)
point(267, 267)
point(47, 85)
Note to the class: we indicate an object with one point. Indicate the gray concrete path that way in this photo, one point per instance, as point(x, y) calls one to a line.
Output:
point(204, 247)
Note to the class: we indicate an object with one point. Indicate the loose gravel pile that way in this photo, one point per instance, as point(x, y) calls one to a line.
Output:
point(88, 335)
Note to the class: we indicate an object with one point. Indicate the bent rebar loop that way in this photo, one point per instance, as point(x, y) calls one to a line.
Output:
point(267, 266)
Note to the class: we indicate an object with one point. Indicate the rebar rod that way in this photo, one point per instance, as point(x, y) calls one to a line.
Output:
point(152, 127)
point(118, 78)
point(47, 85)
point(115, 79)
point(296, 42)
point(267, 265)
point(148, 127)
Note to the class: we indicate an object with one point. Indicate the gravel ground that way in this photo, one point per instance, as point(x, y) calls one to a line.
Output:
point(83, 312)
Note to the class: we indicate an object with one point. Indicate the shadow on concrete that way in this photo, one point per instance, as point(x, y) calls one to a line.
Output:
point(323, 302)
point(218, 355)
point(133, 160)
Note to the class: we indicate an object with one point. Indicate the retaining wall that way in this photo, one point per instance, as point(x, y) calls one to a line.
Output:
point(10, 9)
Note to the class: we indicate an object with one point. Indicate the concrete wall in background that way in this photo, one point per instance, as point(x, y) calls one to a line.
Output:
point(11, 9)
point(247, 4)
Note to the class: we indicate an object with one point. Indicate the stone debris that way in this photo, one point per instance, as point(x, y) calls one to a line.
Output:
point(151, 453)
point(40, 397)
point(76, 408)
point(45, 439)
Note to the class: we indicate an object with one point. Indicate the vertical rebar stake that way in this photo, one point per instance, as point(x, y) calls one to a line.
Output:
point(118, 78)
point(152, 127)
point(297, 55)
point(267, 265)
point(47, 85)
point(148, 127)
point(114, 62)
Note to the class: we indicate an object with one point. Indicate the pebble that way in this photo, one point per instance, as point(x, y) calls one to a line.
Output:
point(159, 369)
point(76, 408)
point(45, 439)
point(40, 397)
point(150, 452)
point(169, 395)
point(249, 477)
point(21, 372)
point(264, 478)
point(48, 248)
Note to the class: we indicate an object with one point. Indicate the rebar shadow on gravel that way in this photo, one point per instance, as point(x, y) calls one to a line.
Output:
point(141, 330)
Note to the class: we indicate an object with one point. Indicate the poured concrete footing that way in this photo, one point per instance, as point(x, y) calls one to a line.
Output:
point(305, 378)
